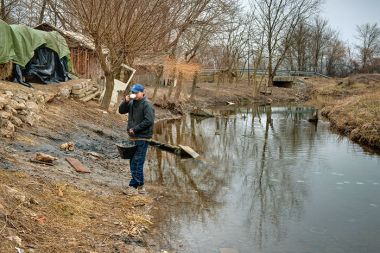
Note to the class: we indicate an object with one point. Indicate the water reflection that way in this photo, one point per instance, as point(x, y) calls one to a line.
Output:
point(252, 183)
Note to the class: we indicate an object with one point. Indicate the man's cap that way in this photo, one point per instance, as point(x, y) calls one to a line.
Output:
point(137, 88)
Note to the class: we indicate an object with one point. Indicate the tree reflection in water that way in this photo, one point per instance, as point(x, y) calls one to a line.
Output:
point(242, 143)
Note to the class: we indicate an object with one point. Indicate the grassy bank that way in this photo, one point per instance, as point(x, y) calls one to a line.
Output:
point(352, 105)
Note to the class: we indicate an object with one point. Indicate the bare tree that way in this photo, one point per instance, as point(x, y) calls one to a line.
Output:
point(336, 54)
point(128, 28)
point(6, 9)
point(279, 20)
point(299, 44)
point(198, 37)
point(369, 44)
point(318, 41)
point(255, 51)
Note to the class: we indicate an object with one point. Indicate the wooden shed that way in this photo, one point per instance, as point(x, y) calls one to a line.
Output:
point(149, 67)
point(82, 51)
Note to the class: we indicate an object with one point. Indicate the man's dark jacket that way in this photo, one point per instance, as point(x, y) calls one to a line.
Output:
point(140, 117)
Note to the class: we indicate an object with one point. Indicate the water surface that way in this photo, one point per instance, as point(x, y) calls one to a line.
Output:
point(268, 181)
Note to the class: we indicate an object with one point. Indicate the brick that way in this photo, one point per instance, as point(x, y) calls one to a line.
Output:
point(77, 165)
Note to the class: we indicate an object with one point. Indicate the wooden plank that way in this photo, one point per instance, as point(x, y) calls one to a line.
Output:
point(77, 165)
point(228, 250)
point(189, 151)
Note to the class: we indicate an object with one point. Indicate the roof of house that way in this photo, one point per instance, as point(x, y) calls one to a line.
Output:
point(81, 39)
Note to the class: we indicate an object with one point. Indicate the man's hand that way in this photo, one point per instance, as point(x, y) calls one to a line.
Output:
point(131, 132)
point(126, 98)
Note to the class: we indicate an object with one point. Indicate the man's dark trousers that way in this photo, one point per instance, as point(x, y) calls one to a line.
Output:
point(137, 164)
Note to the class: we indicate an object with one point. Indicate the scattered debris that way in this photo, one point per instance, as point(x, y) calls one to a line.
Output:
point(68, 146)
point(230, 103)
point(95, 155)
point(44, 159)
point(15, 239)
point(77, 165)
point(19, 250)
point(42, 220)
point(189, 151)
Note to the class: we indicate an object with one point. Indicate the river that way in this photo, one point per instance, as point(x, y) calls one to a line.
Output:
point(267, 181)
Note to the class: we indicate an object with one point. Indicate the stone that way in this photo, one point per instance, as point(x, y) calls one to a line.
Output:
point(77, 92)
point(32, 106)
point(77, 86)
point(16, 105)
point(3, 102)
point(31, 119)
point(23, 112)
point(9, 126)
point(65, 93)
point(49, 97)
point(10, 109)
point(7, 129)
point(5, 133)
point(21, 95)
point(40, 99)
point(79, 95)
point(5, 115)
point(94, 89)
point(16, 121)
point(42, 157)
point(8, 93)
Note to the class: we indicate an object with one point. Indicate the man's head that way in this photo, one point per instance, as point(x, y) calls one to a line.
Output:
point(138, 89)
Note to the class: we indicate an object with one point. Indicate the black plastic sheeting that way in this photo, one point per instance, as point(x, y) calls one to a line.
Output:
point(45, 67)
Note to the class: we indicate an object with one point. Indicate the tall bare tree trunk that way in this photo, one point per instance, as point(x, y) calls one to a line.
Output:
point(194, 85)
point(2, 9)
point(157, 83)
point(171, 87)
point(109, 89)
point(42, 12)
point(179, 86)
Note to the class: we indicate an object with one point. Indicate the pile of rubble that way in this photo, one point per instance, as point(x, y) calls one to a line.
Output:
point(85, 91)
point(19, 108)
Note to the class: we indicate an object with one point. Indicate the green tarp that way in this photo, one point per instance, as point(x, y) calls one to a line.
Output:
point(6, 43)
point(18, 42)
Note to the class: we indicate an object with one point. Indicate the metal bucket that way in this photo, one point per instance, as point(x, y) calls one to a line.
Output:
point(126, 149)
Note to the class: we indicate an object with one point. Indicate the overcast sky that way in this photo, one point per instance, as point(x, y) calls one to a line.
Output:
point(344, 15)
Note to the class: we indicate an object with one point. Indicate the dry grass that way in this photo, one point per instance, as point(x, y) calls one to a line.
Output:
point(57, 217)
point(353, 106)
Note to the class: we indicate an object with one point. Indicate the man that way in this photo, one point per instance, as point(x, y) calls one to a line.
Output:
point(140, 127)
